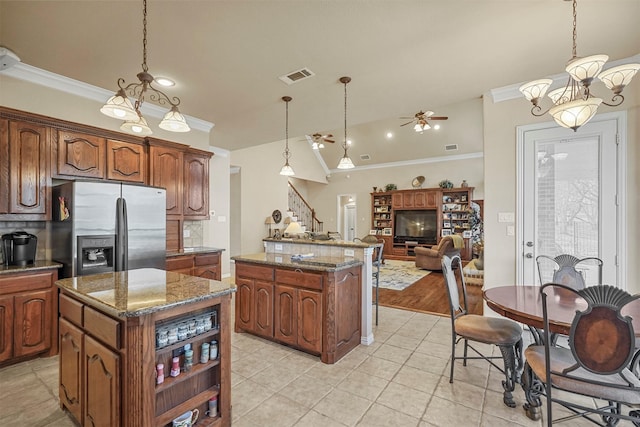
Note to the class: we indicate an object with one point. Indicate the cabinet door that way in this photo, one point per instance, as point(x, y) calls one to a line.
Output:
point(245, 306)
point(101, 391)
point(125, 161)
point(310, 320)
point(6, 328)
point(264, 308)
point(431, 199)
point(4, 165)
point(196, 186)
point(396, 200)
point(210, 272)
point(28, 148)
point(33, 322)
point(70, 380)
point(408, 199)
point(79, 155)
point(166, 172)
point(286, 314)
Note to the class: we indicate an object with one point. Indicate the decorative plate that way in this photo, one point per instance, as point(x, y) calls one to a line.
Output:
point(277, 216)
point(417, 181)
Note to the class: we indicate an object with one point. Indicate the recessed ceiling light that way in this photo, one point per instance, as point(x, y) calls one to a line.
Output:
point(163, 81)
point(389, 135)
point(436, 127)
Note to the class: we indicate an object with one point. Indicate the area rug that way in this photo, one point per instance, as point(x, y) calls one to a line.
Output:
point(398, 275)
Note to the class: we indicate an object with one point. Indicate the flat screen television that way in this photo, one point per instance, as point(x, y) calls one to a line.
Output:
point(420, 226)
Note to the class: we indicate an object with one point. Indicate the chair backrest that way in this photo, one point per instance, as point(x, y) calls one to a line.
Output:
point(377, 253)
point(601, 339)
point(569, 270)
point(454, 282)
point(445, 245)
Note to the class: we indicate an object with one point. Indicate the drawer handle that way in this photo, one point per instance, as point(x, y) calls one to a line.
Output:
point(298, 270)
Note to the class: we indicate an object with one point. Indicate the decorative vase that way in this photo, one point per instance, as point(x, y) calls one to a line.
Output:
point(464, 184)
point(374, 189)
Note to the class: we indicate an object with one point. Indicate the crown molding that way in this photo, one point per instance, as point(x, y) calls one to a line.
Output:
point(51, 80)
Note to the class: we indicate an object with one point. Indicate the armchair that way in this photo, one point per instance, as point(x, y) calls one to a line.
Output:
point(431, 258)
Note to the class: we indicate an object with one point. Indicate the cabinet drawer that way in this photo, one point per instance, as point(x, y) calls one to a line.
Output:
point(299, 278)
point(27, 282)
point(207, 259)
point(254, 272)
point(179, 263)
point(103, 327)
point(70, 309)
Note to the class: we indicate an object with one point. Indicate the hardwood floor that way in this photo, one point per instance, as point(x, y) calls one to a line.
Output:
point(428, 295)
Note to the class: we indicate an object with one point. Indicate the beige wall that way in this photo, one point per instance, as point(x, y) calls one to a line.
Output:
point(500, 122)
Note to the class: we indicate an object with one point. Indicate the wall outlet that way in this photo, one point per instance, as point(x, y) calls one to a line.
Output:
point(186, 233)
point(278, 246)
point(222, 218)
point(349, 252)
point(511, 230)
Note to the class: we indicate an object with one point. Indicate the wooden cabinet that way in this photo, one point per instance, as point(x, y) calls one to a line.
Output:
point(196, 185)
point(426, 199)
point(28, 310)
point(166, 171)
point(71, 361)
point(397, 201)
point(102, 384)
point(455, 216)
point(207, 265)
point(317, 312)
point(78, 155)
point(126, 161)
point(24, 173)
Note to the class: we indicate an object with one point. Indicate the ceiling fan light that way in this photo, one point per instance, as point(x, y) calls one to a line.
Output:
point(536, 89)
point(585, 69)
point(315, 146)
point(574, 114)
point(616, 78)
point(138, 127)
point(173, 121)
point(119, 107)
point(345, 163)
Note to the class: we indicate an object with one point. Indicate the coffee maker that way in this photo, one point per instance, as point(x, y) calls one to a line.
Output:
point(19, 248)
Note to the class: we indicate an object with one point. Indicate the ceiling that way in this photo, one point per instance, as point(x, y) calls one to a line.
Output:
point(403, 56)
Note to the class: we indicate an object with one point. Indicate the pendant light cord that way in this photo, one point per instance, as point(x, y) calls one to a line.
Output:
point(145, 68)
point(575, 31)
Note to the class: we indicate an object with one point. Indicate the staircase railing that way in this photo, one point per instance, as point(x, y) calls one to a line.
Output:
point(305, 213)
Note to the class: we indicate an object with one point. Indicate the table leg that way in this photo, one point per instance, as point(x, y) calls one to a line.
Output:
point(512, 356)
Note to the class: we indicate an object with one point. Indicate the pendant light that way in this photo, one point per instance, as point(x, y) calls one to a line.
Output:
point(574, 105)
point(287, 170)
point(119, 106)
point(345, 161)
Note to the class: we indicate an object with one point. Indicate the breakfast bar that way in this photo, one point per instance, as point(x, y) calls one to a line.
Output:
point(115, 369)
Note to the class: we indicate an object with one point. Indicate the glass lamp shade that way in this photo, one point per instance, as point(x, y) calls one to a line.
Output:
point(173, 121)
point(119, 107)
point(535, 89)
point(421, 127)
point(287, 170)
point(138, 127)
point(574, 114)
point(616, 78)
point(315, 146)
point(586, 68)
point(560, 95)
point(345, 163)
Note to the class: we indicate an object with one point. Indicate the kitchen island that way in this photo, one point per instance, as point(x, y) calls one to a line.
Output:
point(312, 304)
point(110, 329)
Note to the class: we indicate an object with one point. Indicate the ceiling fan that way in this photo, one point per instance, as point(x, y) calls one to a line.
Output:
point(421, 120)
point(319, 140)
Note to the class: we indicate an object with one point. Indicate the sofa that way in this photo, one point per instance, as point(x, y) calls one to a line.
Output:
point(430, 258)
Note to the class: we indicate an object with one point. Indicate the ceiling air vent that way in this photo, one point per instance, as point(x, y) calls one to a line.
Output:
point(451, 147)
point(365, 157)
point(296, 76)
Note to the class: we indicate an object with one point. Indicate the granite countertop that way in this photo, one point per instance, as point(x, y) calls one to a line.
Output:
point(38, 265)
point(193, 250)
point(319, 263)
point(144, 291)
point(342, 243)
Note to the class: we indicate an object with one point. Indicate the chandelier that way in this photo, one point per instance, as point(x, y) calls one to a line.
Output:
point(574, 104)
point(345, 161)
point(287, 170)
point(119, 106)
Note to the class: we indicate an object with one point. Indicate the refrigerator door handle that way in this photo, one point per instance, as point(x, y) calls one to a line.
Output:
point(121, 230)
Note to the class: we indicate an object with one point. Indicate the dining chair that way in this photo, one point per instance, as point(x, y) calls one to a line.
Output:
point(503, 333)
point(600, 362)
point(569, 270)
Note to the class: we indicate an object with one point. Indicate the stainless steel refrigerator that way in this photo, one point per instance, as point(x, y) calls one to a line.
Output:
point(108, 226)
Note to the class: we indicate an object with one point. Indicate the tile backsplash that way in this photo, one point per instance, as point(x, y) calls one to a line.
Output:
point(40, 229)
point(194, 230)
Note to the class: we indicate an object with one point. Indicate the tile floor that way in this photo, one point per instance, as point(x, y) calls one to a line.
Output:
point(400, 380)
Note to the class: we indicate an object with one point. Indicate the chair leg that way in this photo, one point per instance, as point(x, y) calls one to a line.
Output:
point(453, 355)
point(466, 347)
point(510, 356)
point(377, 295)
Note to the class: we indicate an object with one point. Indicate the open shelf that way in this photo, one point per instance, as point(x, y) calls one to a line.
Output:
point(197, 369)
point(203, 336)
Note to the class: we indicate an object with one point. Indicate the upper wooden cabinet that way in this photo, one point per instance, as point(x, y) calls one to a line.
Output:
point(126, 161)
point(79, 155)
point(24, 173)
point(166, 169)
point(426, 199)
point(196, 184)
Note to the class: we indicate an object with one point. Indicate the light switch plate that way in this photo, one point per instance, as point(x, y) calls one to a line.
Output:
point(349, 252)
point(506, 217)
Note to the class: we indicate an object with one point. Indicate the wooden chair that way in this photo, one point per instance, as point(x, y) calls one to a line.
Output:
point(600, 362)
point(504, 333)
point(568, 270)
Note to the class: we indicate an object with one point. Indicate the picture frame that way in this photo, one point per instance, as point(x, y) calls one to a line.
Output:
point(446, 225)
point(373, 232)
point(466, 234)
point(463, 198)
point(446, 232)
point(387, 232)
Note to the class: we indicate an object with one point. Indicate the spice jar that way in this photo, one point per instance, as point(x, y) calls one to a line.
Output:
point(175, 367)
point(160, 373)
point(204, 353)
point(188, 360)
point(213, 350)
